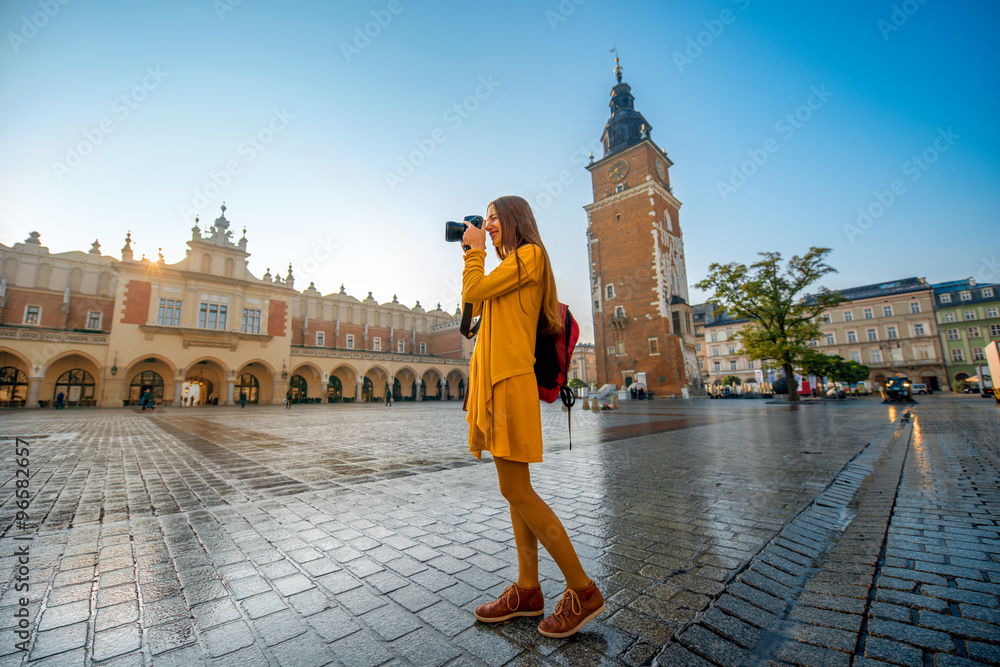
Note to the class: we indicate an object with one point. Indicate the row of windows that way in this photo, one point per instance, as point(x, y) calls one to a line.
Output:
point(966, 295)
point(958, 354)
point(869, 313)
point(376, 343)
point(971, 315)
point(733, 365)
point(871, 334)
point(33, 315)
point(973, 332)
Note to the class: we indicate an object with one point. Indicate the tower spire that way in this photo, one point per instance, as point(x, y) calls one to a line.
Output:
point(618, 66)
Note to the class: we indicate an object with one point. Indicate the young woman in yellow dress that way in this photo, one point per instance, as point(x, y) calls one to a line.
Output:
point(504, 412)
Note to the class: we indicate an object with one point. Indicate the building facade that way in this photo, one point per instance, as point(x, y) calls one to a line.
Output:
point(104, 331)
point(721, 353)
point(583, 366)
point(891, 328)
point(642, 317)
point(968, 319)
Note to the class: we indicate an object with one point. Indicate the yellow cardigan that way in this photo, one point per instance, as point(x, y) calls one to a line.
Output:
point(505, 346)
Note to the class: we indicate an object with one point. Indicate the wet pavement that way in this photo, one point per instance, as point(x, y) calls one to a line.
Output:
point(721, 532)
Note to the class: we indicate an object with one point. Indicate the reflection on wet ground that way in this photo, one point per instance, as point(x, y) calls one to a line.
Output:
point(362, 534)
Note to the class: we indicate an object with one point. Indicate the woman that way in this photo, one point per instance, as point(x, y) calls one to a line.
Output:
point(504, 413)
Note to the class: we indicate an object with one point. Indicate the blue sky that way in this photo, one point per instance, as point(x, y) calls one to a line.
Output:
point(344, 153)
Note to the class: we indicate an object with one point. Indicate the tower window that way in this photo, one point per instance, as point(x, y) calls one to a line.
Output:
point(609, 292)
point(620, 187)
point(619, 311)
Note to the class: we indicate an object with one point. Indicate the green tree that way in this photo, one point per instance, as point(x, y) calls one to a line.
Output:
point(781, 327)
point(731, 380)
point(577, 383)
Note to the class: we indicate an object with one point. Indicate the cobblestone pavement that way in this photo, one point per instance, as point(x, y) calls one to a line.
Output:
point(721, 532)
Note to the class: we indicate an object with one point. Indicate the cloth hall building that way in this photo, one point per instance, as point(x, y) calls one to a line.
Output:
point(101, 331)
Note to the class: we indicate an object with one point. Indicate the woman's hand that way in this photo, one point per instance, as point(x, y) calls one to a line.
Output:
point(474, 237)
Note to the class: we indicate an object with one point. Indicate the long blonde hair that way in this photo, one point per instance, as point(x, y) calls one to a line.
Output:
point(518, 228)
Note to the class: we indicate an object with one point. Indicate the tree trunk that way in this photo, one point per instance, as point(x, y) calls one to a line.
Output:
point(793, 386)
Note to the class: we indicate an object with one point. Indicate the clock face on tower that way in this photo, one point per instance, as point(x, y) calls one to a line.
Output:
point(660, 171)
point(618, 170)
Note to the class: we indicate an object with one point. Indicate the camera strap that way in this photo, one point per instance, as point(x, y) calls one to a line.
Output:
point(467, 328)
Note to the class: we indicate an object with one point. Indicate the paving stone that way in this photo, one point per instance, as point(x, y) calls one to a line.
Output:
point(360, 650)
point(807, 654)
point(928, 639)
point(389, 622)
point(961, 627)
point(117, 641)
point(227, 638)
point(713, 647)
point(894, 652)
point(487, 645)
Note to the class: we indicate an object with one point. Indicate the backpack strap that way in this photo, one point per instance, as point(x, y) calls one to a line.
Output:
point(467, 330)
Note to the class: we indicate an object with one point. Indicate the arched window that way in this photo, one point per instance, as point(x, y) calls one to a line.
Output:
point(299, 388)
point(43, 277)
point(76, 386)
point(206, 263)
point(619, 311)
point(229, 267)
point(609, 292)
point(247, 384)
point(334, 390)
point(146, 380)
point(76, 279)
point(13, 386)
point(104, 284)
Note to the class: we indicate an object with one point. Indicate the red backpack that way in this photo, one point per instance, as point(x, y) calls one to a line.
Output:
point(553, 354)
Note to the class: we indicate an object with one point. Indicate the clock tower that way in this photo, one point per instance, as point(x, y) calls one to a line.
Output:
point(642, 317)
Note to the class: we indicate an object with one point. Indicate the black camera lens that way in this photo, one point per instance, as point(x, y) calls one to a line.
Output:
point(454, 231)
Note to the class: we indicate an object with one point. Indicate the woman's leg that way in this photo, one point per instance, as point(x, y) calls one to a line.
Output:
point(527, 551)
point(540, 520)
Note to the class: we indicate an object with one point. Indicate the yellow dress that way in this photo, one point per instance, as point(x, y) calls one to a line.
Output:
point(504, 411)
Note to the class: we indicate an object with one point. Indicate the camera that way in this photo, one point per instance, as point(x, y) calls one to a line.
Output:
point(454, 231)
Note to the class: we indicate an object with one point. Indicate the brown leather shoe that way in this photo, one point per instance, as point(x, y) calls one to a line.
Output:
point(515, 601)
point(575, 610)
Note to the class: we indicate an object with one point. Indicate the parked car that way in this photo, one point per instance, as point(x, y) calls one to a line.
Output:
point(919, 388)
point(835, 392)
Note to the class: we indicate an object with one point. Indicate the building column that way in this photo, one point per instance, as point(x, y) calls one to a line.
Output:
point(357, 391)
point(34, 390)
point(178, 385)
point(230, 387)
point(441, 394)
point(420, 395)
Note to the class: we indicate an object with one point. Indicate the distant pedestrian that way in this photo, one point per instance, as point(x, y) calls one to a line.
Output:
point(288, 400)
point(60, 401)
point(388, 397)
point(634, 393)
point(243, 399)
